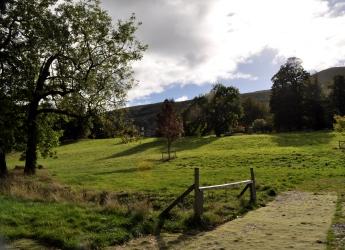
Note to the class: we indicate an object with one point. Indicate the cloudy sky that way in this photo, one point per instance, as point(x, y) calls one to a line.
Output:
point(196, 43)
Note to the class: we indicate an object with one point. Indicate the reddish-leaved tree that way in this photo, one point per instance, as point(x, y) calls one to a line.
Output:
point(169, 123)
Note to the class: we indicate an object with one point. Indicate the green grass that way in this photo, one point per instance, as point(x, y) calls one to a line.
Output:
point(65, 225)
point(303, 161)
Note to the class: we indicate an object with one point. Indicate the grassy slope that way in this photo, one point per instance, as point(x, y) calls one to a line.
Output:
point(305, 161)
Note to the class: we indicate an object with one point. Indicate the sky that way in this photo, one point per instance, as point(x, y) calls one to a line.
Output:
point(193, 44)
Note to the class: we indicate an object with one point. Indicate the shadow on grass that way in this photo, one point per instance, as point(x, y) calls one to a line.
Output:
point(163, 244)
point(137, 149)
point(126, 170)
point(300, 139)
point(186, 143)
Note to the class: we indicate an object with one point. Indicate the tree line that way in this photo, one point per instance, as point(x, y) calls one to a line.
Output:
point(298, 101)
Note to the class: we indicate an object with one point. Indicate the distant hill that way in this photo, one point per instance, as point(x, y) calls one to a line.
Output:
point(325, 77)
point(145, 115)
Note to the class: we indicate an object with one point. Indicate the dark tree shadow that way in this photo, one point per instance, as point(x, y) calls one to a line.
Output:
point(187, 143)
point(140, 148)
point(184, 236)
point(125, 170)
point(300, 139)
point(182, 144)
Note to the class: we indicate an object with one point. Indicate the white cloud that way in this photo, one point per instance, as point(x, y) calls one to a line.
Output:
point(182, 98)
point(201, 41)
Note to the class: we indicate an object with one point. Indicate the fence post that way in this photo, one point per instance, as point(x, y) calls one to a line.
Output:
point(252, 186)
point(198, 196)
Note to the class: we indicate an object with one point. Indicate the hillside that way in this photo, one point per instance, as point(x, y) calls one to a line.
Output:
point(145, 115)
point(62, 205)
point(325, 77)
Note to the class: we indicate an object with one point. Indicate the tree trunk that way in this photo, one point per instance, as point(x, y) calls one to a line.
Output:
point(169, 146)
point(31, 146)
point(3, 166)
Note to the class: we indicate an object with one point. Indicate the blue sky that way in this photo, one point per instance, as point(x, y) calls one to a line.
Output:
point(196, 43)
point(262, 64)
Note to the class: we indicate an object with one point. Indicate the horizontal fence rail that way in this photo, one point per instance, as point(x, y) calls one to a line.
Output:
point(227, 185)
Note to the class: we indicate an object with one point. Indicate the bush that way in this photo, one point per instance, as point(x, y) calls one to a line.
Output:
point(339, 124)
point(259, 125)
point(130, 134)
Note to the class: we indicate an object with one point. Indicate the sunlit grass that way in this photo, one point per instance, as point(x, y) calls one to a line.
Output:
point(289, 161)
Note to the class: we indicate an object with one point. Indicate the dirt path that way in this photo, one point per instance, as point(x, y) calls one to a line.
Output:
point(295, 220)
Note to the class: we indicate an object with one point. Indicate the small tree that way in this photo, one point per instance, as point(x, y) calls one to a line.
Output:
point(169, 124)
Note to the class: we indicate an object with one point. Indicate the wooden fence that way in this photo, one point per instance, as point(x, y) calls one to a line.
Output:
point(199, 193)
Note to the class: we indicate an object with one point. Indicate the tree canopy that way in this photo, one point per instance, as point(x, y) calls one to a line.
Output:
point(224, 109)
point(287, 95)
point(64, 57)
point(337, 95)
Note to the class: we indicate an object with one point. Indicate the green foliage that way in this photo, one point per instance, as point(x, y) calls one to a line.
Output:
point(224, 110)
point(339, 124)
point(337, 95)
point(130, 133)
point(287, 94)
point(314, 108)
point(195, 117)
point(259, 125)
point(252, 110)
point(44, 70)
point(49, 138)
point(218, 112)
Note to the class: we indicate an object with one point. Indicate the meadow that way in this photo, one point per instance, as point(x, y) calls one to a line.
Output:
point(102, 192)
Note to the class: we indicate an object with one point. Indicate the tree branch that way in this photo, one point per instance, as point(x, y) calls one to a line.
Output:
point(57, 92)
point(57, 111)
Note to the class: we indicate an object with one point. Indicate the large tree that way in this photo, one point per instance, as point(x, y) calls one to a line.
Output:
point(337, 95)
point(314, 116)
point(64, 57)
point(224, 109)
point(287, 95)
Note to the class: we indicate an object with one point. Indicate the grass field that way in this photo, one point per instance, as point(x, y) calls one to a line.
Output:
point(139, 184)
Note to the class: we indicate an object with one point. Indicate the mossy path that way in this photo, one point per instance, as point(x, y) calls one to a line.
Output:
point(294, 220)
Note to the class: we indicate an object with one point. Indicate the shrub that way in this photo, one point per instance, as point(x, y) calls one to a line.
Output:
point(339, 124)
point(259, 125)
